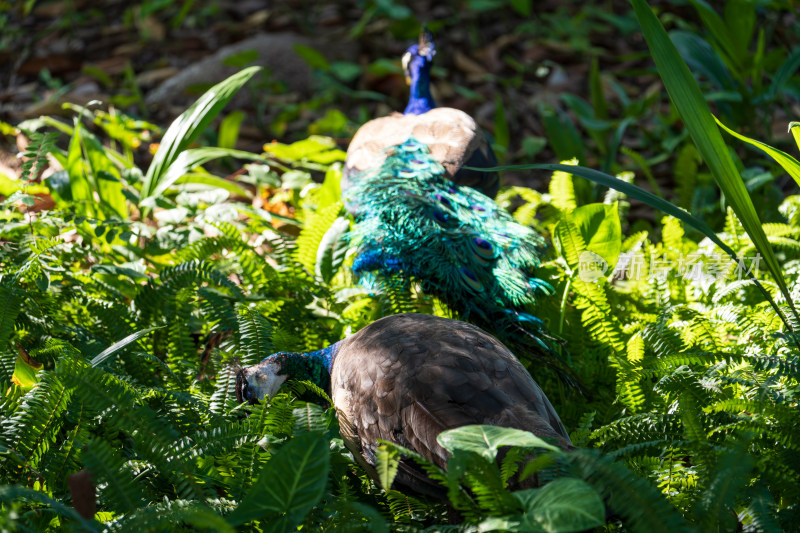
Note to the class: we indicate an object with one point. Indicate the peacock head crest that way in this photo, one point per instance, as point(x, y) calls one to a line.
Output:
point(419, 56)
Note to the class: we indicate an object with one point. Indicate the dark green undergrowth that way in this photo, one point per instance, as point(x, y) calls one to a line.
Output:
point(127, 305)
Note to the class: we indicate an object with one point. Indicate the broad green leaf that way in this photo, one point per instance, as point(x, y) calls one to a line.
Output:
point(600, 228)
point(229, 129)
point(309, 417)
point(523, 7)
point(201, 178)
point(334, 122)
point(25, 370)
point(690, 103)
point(561, 134)
point(290, 484)
point(75, 167)
point(330, 192)
point(789, 163)
point(119, 345)
point(784, 73)
point(740, 19)
point(563, 505)
point(314, 58)
point(311, 149)
point(9, 186)
point(486, 440)
point(702, 59)
point(107, 179)
point(187, 127)
point(501, 523)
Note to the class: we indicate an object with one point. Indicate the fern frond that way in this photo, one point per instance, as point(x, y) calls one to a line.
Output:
point(10, 307)
point(32, 429)
point(640, 505)
point(255, 336)
point(153, 437)
point(169, 514)
point(562, 190)
point(119, 488)
point(9, 494)
point(312, 234)
point(716, 508)
point(224, 397)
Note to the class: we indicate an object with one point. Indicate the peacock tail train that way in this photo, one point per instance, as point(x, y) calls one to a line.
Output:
point(454, 241)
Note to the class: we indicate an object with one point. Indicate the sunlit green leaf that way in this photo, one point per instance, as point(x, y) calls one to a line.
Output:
point(486, 440)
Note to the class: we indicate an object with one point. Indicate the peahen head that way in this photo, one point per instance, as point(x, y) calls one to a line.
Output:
point(417, 66)
point(264, 379)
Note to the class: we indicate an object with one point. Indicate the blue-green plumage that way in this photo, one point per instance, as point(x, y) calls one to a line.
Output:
point(454, 241)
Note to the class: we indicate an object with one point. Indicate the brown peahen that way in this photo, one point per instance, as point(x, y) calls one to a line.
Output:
point(422, 218)
point(405, 379)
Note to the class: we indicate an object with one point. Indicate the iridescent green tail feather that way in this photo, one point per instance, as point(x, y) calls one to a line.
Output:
point(454, 241)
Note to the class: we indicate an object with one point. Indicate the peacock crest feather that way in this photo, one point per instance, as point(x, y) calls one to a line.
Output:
point(454, 241)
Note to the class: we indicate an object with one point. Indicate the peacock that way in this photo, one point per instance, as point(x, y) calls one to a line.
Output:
point(451, 135)
point(406, 378)
point(422, 217)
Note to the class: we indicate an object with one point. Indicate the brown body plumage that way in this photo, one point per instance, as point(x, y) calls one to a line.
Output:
point(406, 378)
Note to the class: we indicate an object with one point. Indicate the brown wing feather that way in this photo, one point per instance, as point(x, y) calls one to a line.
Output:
point(407, 378)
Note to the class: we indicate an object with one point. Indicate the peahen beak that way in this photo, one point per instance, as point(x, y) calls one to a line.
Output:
point(244, 392)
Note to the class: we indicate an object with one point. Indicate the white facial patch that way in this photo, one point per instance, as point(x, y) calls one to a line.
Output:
point(265, 380)
point(406, 60)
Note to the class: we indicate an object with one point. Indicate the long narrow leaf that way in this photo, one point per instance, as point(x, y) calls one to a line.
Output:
point(689, 101)
point(187, 127)
point(789, 163)
point(117, 346)
point(650, 199)
point(188, 159)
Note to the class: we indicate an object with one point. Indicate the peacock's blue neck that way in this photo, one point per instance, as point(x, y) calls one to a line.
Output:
point(311, 366)
point(420, 100)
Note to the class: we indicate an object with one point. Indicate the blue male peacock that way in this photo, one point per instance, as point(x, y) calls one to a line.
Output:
point(421, 216)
